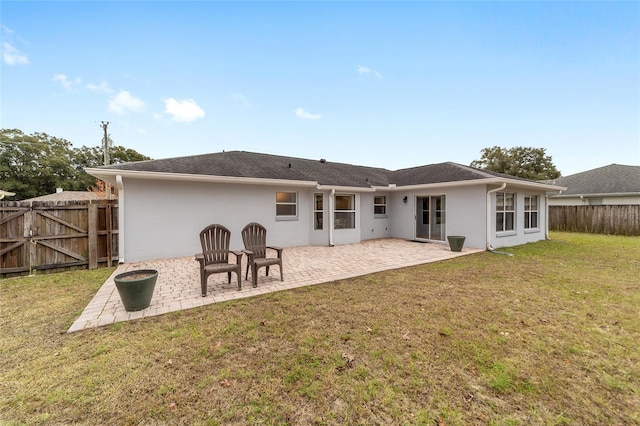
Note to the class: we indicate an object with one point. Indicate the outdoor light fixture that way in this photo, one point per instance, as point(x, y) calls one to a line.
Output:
point(404, 200)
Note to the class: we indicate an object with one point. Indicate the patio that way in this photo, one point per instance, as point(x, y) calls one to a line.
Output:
point(178, 285)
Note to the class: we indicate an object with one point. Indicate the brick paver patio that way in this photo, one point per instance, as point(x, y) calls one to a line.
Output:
point(178, 285)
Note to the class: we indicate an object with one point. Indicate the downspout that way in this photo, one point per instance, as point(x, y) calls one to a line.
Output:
point(120, 185)
point(331, 218)
point(488, 242)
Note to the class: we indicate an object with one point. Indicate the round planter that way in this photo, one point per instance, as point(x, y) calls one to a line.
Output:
point(456, 242)
point(136, 288)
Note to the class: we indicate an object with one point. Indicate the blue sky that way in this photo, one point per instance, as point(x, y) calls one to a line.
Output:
point(385, 84)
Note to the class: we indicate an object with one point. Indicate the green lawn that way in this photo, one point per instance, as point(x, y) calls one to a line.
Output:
point(548, 336)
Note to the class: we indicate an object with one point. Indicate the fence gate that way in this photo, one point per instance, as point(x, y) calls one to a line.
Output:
point(39, 236)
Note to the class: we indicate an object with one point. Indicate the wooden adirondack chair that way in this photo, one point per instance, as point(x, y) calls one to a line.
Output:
point(214, 258)
point(254, 237)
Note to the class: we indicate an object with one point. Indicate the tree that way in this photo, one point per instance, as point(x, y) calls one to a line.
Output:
point(524, 162)
point(37, 164)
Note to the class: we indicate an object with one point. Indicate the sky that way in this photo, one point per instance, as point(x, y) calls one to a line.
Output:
point(382, 84)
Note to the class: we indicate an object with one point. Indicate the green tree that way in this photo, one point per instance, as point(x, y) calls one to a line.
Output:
point(37, 164)
point(524, 162)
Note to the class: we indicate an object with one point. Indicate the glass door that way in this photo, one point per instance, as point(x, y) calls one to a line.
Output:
point(430, 217)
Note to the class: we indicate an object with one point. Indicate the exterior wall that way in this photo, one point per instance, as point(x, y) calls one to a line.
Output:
point(465, 213)
point(163, 219)
point(519, 235)
point(372, 226)
point(577, 201)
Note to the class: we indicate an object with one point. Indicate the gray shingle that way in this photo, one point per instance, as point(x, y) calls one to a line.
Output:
point(611, 179)
point(267, 166)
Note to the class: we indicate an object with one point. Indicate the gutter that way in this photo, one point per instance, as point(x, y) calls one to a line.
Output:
point(488, 227)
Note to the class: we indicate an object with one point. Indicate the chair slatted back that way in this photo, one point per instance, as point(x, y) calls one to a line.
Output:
point(254, 237)
point(215, 244)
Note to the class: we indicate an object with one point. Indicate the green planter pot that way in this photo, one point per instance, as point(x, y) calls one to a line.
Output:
point(456, 242)
point(136, 288)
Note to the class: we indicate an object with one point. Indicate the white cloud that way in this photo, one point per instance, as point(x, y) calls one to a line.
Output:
point(65, 82)
point(362, 70)
point(123, 102)
point(241, 99)
point(102, 87)
point(301, 113)
point(12, 56)
point(183, 111)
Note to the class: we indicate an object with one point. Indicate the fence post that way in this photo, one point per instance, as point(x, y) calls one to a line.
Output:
point(92, 211)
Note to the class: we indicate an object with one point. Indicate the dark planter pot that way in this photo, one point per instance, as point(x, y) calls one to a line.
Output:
point(456, 242)
point(136, 288)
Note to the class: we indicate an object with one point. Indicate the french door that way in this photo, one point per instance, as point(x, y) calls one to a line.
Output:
point(430, 218)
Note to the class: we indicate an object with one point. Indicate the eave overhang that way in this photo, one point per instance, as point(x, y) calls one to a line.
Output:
point(109, 175)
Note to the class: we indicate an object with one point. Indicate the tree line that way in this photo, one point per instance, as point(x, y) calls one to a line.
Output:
point(36, 164)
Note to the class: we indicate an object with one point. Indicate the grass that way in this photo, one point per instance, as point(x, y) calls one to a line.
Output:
point(548, 336)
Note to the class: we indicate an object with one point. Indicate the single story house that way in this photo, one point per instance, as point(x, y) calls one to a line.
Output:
point(165, 203)
point(615, 184)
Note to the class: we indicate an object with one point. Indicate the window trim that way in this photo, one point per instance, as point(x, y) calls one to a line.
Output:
point(350, 211)
point(316, 211)
point(287, 203)
point(383, 205)
point(528, 212)
point(506, 212)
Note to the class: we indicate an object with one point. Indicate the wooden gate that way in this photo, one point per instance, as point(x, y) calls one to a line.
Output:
point(53, 236)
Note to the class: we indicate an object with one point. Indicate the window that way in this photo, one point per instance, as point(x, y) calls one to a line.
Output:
point(505, 211)
point(317, 211)
point(286, 205)
point(345, 214)
point(530, 211)
point(380, 205)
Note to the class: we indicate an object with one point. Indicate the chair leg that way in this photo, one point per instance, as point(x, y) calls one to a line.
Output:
point(267, 270)
point(281, 277)
point(203, 283)
point(239, 275)
point(246, 276)
point(254, 274)
point(229, 277)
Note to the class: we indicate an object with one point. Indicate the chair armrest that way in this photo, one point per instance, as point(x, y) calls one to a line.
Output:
point(238, 255)
point(247, 252)
point(200, 258)
point(276, 248)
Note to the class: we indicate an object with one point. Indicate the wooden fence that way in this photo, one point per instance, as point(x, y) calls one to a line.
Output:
point(37, 237)
point(616, 219)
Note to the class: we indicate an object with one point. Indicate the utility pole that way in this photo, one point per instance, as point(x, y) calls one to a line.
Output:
point(105, 142)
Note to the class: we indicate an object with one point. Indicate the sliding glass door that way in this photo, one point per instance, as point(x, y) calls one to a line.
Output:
point(430, 218)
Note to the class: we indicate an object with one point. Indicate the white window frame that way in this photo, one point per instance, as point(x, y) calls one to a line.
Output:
point(350, 213)
point(501, 209)
point(377, 205)
point(287, 203)
point(529, 212)
point(318, 225)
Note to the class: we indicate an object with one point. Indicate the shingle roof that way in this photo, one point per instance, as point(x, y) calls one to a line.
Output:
point(611, 179)
point(267, 166)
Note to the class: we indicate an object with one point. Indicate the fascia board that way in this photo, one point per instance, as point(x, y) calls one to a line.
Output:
point(345, 188)
point(490, 181)
point(109, 176)
point(598, 195)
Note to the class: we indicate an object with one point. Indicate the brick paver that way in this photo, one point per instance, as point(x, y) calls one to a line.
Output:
point(178, 285)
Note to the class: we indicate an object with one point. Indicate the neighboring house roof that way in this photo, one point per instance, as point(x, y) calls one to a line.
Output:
point(68, 196)
point(249, 165)
point(614, 179)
